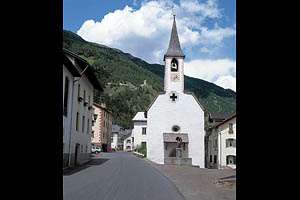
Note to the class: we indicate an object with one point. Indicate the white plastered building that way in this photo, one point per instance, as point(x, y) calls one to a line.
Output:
point(78, 131)
point(139, 130)
point(175, 113)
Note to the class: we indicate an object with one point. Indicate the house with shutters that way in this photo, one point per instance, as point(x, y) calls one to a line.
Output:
point(101, 127)
point(79, 83)
point(221, 142)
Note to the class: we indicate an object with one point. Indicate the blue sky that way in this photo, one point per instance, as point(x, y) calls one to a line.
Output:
point(142, 27)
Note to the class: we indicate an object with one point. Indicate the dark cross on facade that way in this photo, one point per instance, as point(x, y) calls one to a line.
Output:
point(173, 97)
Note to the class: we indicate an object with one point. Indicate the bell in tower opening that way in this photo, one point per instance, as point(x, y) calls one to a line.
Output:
point(174, 65)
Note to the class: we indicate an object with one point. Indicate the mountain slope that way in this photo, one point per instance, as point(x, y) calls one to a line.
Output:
point(121, 75)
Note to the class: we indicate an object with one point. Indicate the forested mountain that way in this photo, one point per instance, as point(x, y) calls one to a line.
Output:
point(122, 74)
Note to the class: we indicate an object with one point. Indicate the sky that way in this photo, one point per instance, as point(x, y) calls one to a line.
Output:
point(206, 30)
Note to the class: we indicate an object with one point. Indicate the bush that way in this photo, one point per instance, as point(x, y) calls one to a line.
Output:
point(142, 150)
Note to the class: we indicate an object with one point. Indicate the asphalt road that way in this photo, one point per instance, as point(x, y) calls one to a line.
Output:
point(118, 176)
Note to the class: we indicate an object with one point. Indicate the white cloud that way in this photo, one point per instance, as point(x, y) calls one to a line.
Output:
point(145, 32)
point(226, 82)
point(217, 71)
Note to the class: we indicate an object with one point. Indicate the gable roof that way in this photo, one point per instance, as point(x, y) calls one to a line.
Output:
point(185, 92)
point(139, 117)
point(83, 64)
point(218, 116)
point(223, 122)
point(70, 67)
point(174, 49)
point(101, 107)
point(116, 128)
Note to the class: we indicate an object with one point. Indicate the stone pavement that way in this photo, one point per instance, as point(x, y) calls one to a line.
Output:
point(200, 184)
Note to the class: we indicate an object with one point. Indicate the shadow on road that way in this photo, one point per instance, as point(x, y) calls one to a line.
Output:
point(93, 162)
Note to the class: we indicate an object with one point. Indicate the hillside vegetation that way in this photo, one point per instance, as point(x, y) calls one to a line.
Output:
point(122, 74)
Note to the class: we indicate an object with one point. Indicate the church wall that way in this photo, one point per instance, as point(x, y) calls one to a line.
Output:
point(185, 113)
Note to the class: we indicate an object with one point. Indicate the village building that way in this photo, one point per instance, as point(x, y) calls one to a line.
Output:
point(117, 137)
point(210, 153)
point(140, 130)
point(69, 74)
point(175, 118)
point(221, 141)
point(102, 127)
point(79, 84)
point(128, 142)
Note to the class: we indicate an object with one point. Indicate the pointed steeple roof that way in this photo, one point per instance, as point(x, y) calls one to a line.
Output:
point(174, 45)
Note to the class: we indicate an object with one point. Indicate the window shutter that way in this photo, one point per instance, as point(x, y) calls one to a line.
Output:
point(227, 160)
point(234, 161)
point(227, 142)
point(234, 143)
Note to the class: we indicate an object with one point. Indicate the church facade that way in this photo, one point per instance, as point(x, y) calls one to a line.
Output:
point(175, 113)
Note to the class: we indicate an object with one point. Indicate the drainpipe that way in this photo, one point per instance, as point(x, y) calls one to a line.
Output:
point(220, 149)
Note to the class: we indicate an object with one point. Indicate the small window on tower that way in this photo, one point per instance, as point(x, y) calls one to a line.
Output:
point(175, 128)
point(174, 65)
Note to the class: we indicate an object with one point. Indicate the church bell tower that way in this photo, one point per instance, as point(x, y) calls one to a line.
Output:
point(174, 66)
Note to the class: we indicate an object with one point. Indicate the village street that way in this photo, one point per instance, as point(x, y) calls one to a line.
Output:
point(120, 175)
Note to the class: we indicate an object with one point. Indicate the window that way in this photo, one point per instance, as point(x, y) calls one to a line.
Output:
point(78, 90)
point(65, 111)
point(174, 65)
point(230, 160)
point(77, 121)
point(128, 141)
point(89, 100)
point(144, 131)
point(230, 126)
point(215, 143)
point(143, 144)
point(215, 159)
point(83, 120)
point(84, 95)
point(230, 143)
point(175, 128)
point(86, 147)
point(210, 158)
point(111, 139)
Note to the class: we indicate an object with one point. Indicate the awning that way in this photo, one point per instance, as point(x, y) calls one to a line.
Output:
point(171, 137)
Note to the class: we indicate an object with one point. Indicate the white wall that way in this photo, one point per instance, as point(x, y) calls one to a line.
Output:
point(170, 85)
point(164, 114)
point(114, 144)
point(83, 138)
point(223, 136)
point(137, 131)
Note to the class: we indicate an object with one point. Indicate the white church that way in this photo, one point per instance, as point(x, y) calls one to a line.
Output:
point(175, 113)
